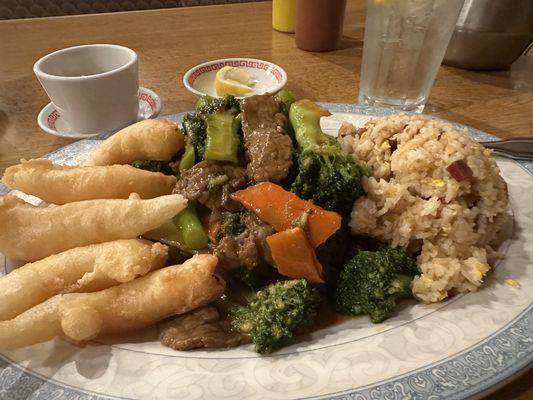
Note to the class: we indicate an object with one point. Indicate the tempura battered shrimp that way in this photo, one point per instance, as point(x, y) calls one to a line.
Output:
point(82, 269)
point(150, 139)
point(60, 184)
point(30, 233)
point(134, 305)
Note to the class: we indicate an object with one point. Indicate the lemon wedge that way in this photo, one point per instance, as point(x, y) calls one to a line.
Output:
point(232, 80)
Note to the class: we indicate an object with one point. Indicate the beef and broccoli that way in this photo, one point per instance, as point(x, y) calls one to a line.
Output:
point(270, 195)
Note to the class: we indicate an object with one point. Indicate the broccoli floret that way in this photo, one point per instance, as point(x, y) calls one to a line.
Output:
point(272, 317)
point(213, 130)
point(195, 128)
point(326, 174)
point(211, 105)
point(373, 281)
point(332, 254)
point(223, 139)
point(188, 158)
point(190, 229)
point(257, 277)
point(329, 177)
point(185, 231)
point(154, 166)
point(231, 223)
point(305, 119)
point(286, 98)
point(202, 102)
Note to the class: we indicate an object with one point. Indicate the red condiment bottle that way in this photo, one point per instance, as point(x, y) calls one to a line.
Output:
point(319, 24)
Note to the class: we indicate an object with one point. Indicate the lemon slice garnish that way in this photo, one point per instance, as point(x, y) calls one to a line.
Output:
point(232, 80)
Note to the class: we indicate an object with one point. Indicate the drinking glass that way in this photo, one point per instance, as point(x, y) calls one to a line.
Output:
point(404, 44)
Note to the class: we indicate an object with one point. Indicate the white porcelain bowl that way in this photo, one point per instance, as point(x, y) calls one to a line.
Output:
point(266, 76)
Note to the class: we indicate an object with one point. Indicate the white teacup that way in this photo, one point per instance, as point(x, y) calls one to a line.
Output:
point(94, 87)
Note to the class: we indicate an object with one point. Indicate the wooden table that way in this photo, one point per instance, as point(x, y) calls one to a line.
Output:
point(169, 42)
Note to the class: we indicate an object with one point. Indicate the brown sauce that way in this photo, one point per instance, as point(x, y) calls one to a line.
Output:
point(328, 317)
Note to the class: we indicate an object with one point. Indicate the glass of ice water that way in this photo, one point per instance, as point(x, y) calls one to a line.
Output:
point(405, 42)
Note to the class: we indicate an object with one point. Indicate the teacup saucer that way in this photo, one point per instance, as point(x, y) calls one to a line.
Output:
point(50, 120)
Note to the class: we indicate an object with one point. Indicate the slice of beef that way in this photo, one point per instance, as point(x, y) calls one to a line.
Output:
point(248, 248)
point(211, 183)
point(236, 251)
point(260, 231)
point(268, 147)
point(200, 328)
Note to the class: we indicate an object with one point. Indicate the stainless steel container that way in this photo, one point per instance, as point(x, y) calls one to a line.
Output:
point(490, 34)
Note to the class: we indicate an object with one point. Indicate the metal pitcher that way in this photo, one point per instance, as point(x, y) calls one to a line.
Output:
point(490, 34)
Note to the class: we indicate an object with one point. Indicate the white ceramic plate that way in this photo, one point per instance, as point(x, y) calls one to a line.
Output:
point(50, 121)
point(456, 349)
point(266, 76)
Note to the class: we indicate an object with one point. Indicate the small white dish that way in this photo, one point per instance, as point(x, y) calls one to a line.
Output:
point(266, 76)
point(50, 120)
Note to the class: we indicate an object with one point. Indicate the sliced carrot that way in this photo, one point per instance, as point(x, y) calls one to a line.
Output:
point(281, 209)
point(212, 230)
point(294, 256)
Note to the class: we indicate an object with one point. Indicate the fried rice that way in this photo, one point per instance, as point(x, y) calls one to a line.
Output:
point(414, 201)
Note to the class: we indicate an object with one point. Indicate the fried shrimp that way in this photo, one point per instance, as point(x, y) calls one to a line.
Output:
point(150, 139)
point(30, 233)
point(82, 269)
point(60, 184)
point(134, 305)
